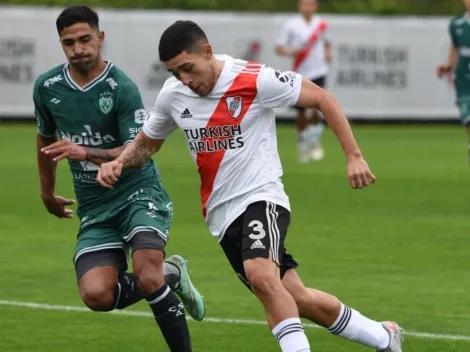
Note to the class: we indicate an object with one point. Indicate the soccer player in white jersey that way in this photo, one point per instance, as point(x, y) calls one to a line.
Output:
point(304, 38)
point(225, 108)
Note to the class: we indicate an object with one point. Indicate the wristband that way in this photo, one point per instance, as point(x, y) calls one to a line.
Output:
point(86, 154)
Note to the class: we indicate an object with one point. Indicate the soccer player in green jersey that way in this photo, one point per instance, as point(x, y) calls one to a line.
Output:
point(459, 63)
point(96, 110)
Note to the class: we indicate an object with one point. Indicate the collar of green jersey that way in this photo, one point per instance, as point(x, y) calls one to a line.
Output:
point(74, 85)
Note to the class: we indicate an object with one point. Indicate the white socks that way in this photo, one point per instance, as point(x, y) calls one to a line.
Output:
point(350, 325)
point(315, 132)
point(309, 142)
point(353, 326)
point(304, 142)
point(290, 335)
point(310, 135)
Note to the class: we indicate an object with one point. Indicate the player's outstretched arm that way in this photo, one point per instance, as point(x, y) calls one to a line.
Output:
point(314, 97)
point(134, 156)
point(47, 174)
point(447, 67)
point(100, 156)
point(283, 42)
point(280, 50)
point(66, 149)
point(137, 153)
point(46, 166)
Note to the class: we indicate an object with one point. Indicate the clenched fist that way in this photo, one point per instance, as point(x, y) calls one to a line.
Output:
point(109, 173)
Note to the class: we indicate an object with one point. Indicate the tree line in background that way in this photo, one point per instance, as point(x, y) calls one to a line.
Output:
point(379, 7)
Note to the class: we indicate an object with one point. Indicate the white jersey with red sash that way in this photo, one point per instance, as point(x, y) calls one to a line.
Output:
point(231, 135)
point(309, 37)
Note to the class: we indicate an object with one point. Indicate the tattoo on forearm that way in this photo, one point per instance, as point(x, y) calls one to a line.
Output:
point(99, 156)
point(139, 154)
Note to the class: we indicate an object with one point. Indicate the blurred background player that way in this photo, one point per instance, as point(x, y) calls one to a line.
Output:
point(458, 63)
point(304, 39)
point(97, 110)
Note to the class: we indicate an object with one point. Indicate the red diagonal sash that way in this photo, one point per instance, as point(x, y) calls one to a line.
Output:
point(314, 37)
point(208, 163)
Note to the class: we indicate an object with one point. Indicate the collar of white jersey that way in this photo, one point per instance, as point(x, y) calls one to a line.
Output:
point(228, 63)
point(313, 19)
point(227, 60)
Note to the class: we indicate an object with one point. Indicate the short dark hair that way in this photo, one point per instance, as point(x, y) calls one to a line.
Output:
point(77, 14)
point(180, 36)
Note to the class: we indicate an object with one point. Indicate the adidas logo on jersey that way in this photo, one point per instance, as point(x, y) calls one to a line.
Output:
point(257, 245)
point(186, 114)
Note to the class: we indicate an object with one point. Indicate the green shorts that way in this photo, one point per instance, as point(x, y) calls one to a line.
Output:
point(462, 90)
point(464, 108)
point(147, 209)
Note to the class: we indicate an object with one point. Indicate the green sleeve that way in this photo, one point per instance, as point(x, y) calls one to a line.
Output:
point(46, 124)
point(453, 36)
point(131, 112)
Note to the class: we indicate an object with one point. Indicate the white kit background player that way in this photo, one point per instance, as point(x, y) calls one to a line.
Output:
point(225, 108)
point(305, 39)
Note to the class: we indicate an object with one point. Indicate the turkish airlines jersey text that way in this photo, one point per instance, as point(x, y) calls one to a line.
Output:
point(231, 135)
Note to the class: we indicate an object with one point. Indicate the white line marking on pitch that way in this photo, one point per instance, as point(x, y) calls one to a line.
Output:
point(43, 306)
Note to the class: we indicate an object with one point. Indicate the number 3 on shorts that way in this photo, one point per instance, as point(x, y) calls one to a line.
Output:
point(257, 227)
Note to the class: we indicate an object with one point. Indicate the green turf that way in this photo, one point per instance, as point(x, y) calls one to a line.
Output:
point(397, 250)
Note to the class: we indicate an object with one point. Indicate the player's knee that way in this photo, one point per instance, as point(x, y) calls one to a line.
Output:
point(263, 282)
point(148, 270)
point(149, 280)
point(98, 297)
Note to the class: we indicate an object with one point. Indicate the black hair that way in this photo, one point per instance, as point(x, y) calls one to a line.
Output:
point(180, 36)
point(77, 14)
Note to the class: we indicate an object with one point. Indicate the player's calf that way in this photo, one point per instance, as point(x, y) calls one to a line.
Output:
point(166, 307)
point(317, 306)
point(266, 284)
point(281, 310)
